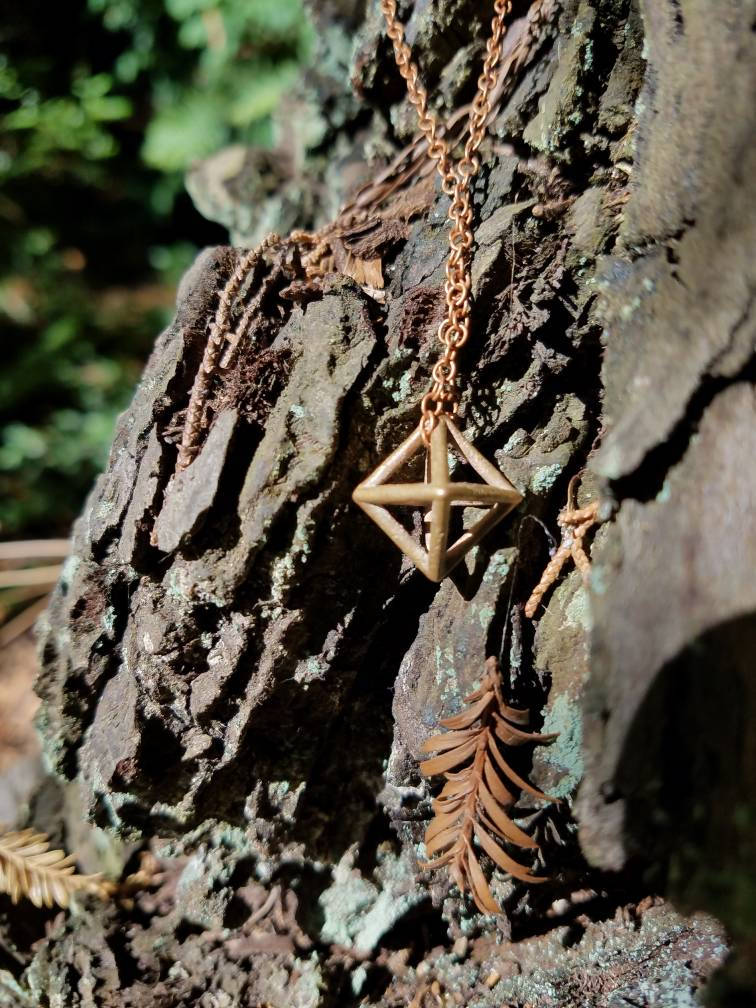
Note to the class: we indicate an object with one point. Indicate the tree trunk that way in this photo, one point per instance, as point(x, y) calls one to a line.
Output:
point(239, 670)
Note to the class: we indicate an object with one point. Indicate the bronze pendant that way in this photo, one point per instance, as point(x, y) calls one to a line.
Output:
point(375, 494)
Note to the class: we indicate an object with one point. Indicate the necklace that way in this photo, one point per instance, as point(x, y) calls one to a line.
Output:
point(438, 494)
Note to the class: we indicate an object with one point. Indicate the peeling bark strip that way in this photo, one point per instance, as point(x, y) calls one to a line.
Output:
point(259, 683)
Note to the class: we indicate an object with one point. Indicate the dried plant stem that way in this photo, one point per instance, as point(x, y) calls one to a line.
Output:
point(575, 524)
point(11, 597)
point(22, 622)
point(42, 576)
point(219, 328)
point(20, 551)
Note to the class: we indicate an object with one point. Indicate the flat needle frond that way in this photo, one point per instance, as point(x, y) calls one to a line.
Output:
point(47, 877)
point(479, 790)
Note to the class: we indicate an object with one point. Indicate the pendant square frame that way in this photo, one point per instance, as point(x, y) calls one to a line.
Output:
point(375, 494)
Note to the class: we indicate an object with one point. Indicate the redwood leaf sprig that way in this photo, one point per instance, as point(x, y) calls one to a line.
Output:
point(480, 789)
point(47, 877)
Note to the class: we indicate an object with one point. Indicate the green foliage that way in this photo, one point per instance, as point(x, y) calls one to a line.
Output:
point(103, 105)
point(43, 134)
point(238, 59)
point(73, 356)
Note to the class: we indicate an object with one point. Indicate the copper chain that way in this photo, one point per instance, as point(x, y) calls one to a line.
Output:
point(443, 395)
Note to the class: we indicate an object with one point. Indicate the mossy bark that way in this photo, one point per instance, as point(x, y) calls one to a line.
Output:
point(238, 672)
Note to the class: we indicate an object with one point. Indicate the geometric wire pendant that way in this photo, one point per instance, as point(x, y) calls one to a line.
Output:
point(375, 494)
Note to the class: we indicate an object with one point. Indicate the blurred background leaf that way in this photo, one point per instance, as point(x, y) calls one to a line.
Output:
point(103, 106)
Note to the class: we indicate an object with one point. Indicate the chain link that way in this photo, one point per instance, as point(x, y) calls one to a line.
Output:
point(443, 395)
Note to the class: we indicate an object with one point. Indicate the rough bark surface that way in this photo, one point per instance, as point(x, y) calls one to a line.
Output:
point(238, 671)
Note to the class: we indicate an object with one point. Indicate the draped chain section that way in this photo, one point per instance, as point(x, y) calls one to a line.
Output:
point(454, 330)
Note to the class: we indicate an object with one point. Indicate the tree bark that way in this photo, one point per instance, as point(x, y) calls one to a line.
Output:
point(238, 671)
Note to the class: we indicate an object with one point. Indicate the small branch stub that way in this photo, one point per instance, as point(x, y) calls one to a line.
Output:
point(575, 523)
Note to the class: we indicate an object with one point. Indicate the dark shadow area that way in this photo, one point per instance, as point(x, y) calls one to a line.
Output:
point(339, 806)
point(687, 776)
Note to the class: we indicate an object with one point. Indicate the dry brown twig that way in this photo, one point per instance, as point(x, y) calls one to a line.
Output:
point(479, 790)
point(575, 523)
point(25, 578)
point(219, 330)
point(46, 877)
point(223, 340)
point(148, 875)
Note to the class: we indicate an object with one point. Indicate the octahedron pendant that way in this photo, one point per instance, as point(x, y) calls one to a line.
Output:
point(437, 494)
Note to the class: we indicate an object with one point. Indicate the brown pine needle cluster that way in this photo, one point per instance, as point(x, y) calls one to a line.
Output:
point(479, 791)
point(574, 524)
point(47, 877)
